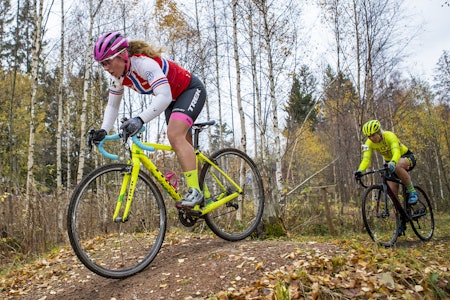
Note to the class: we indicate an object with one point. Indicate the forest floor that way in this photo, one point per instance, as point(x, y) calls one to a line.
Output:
point(201, 266)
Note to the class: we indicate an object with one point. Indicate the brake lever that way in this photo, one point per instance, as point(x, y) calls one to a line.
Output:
point(90, 139)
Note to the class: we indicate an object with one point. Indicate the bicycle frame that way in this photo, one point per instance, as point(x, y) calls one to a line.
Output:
point(138, 156)
point(398, 206)
point(388, 191)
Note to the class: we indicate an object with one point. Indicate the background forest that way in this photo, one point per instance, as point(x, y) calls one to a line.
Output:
point(299, 121)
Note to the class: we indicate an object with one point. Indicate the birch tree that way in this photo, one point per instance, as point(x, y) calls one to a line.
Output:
point(38, 7)
point(93, 10)
point(59, 132)
point(243, 143)
point(277, 42)
point(217, 68)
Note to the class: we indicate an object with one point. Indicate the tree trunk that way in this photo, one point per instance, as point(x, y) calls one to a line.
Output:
point(30, 186)
point(59, 133)
point(216, 56)
point(272, 210)
point(86, 96)
point(328, 214)
point(238, 78)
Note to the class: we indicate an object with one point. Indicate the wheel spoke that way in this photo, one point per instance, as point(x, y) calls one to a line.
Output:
point(238, 218)
point(115, 249)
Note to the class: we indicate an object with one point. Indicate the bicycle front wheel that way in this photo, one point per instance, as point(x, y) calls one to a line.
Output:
point(422, 219)
point(115, 249)
point(238, 218)
point(381, 219)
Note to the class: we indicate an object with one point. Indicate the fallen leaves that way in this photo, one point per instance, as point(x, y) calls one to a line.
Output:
point(352, 271)
point(335, 269)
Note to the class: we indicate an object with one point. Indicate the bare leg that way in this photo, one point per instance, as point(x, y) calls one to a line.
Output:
point(181, 141)
point(177, 132)
point(401, 170)
point(394, 187)
point(402, 173)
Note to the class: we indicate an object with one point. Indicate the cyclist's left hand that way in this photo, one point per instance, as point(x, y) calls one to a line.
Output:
point(391, 166)
point(132, 126)
point(358, 174)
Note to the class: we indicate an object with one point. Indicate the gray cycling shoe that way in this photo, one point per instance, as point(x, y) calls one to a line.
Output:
point(192, 198)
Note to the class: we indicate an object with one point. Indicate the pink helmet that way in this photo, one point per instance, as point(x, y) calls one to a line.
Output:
point(109, 44)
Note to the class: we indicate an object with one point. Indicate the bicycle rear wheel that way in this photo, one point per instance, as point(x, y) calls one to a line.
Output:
point(115, 249)
point(381, 219)
point(422, 218)
point(238, 218)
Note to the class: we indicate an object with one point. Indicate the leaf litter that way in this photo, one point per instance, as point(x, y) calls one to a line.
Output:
point(204, 267)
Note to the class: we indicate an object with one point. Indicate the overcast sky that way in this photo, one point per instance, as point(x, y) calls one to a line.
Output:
point(430, 17)
point(435, 37)
point(428, 46)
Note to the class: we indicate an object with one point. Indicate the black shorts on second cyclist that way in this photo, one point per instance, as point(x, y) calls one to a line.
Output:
point(412, 160)
point(190, 102)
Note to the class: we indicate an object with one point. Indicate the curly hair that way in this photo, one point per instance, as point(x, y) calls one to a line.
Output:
point(142, 47)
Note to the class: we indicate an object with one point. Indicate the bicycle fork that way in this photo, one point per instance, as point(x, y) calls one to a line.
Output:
point(129, 183)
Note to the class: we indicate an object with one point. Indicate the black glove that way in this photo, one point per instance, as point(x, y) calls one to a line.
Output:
point(98, 136)
point(358, 174)
point(132, 126)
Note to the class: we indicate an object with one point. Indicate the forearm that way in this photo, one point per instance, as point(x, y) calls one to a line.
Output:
point(111, 112)
point(160, 101)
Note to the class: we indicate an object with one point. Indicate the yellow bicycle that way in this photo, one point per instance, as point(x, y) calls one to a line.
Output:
point(116, 219)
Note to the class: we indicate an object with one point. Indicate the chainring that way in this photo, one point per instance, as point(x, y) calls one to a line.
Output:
point(186, 218)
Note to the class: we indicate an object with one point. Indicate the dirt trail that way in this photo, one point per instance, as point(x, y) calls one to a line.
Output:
point(192, 269)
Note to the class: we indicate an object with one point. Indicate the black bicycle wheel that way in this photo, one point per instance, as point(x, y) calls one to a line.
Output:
point(422, 219)
point(381, 219)
point(238, 218)
point(115, 249)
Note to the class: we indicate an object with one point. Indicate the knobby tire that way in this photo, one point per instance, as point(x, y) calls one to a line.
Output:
point(381, 219)
point(115, 249)
point(422, 218)
point(237, 219)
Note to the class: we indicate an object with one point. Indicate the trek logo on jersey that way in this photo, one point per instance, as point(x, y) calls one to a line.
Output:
point(364, 147)
point(194, 100)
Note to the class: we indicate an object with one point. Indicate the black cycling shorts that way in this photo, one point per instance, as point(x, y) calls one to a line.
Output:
point(412, 160)
point(189, 104)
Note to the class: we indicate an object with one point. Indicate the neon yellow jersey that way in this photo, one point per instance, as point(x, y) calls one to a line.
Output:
point(389, 147)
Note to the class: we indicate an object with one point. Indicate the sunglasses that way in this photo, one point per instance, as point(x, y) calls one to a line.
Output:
point(108, 60)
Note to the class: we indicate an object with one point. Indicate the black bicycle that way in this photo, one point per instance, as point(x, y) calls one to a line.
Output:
point(385, 215)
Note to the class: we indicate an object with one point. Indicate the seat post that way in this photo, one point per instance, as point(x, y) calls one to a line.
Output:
point(195, 137)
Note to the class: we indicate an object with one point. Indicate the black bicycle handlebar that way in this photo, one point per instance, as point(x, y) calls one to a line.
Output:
point(385, 170)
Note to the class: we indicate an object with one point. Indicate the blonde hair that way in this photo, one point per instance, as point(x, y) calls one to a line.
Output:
point(142, 47)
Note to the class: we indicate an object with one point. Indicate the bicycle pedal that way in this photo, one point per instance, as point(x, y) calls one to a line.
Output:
point(186, 208)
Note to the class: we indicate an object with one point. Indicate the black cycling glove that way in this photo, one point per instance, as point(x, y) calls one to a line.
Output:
point(132, 126)
point(98, 136)
point(358, 174)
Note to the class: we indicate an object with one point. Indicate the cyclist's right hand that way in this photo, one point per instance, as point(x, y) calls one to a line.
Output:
point(358, 174)
point(97, 135)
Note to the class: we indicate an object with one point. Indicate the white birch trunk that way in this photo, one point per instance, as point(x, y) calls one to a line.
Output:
point(35, 52)
point(273, 205)
point(238, 79)
point(85, 100)
point(59, 133)
point(219, 100)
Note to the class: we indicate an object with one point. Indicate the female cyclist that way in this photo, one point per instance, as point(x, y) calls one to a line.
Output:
point(141, 67)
